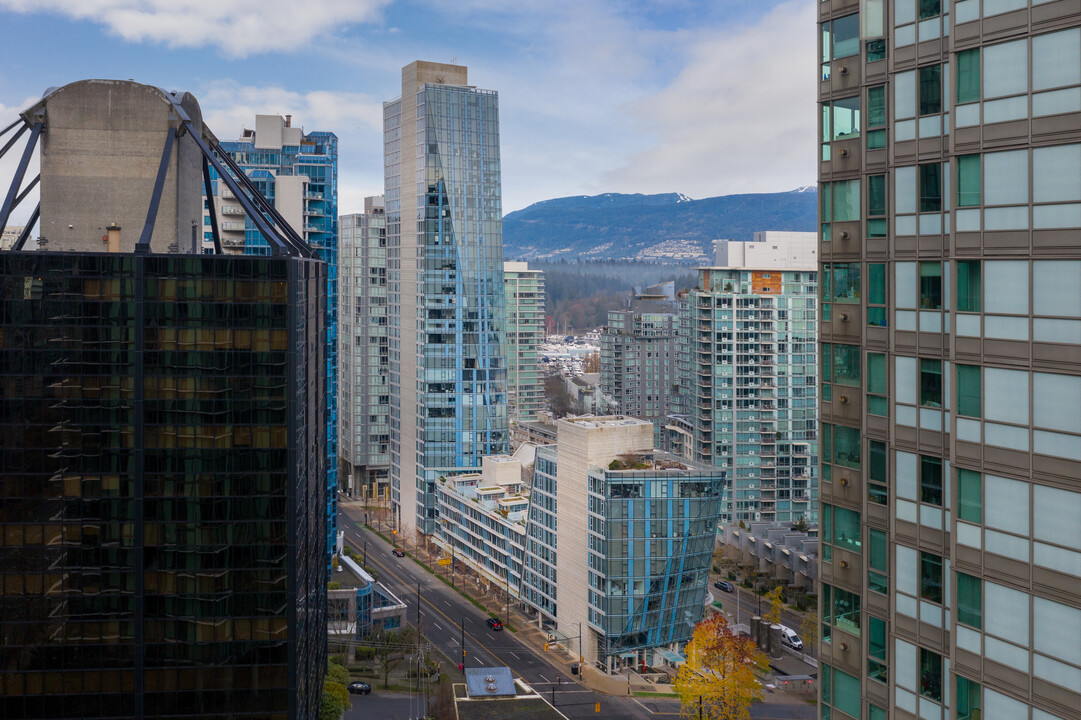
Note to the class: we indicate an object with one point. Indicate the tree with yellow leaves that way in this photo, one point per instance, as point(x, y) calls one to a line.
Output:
point(719, 680)
point(776, 603)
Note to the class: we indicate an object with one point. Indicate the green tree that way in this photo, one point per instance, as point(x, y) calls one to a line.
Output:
point(719, 680)
point(334, 702)
point(337, 673)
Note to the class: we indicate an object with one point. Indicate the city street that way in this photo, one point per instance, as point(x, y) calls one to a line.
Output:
point(445, 614)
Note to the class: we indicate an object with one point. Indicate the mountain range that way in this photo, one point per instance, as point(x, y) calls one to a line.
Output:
point(669, 227)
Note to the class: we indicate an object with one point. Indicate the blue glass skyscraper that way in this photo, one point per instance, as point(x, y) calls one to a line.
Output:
point(448, 370)
point(298, 172)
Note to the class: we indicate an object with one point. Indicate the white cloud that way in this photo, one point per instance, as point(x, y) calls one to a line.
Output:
point(356, 119)
point(238, 27)
point(739, 117)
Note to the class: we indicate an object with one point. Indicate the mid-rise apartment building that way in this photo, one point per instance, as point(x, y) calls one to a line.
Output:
point(298, 173)
point(364, 353)
point(618, 542)
point(483, 517)
point(525, 302)
point(640, 350)
point(751, 334)
point(950, 191)
point(448, 368)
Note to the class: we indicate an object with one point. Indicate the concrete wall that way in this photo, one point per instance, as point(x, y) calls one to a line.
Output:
point(289, 199)
point(770, 250)
point(100, 152)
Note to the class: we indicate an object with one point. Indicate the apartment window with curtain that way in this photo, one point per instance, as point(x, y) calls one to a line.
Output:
point(876, 206)
point(877, 394)
point(876, 117)
point(877, 312)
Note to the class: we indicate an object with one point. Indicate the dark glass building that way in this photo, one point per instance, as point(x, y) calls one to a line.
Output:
point(162, 485)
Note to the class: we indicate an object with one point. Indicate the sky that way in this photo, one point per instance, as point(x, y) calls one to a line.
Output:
point(699, 97)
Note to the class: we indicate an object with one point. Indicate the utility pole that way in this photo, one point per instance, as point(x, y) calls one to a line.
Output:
point(461, 626)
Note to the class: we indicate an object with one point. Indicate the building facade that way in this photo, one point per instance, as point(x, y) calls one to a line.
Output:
point(640, 349)
point(618, 542)
point(950, 190)
point(364, 354)
point(482, 517)
point(298, 173)
point(525, 303)
point(162, 437)
point(448, 369)
point(752, 344)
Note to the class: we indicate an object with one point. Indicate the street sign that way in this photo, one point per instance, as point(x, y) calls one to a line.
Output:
point(444, 561)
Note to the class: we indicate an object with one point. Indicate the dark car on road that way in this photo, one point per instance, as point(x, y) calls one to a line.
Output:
point(398, 552)
point(359, 688)
point(724, 585)
point(495, 624)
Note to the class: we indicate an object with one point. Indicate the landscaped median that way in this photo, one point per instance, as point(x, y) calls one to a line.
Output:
point(418, 561)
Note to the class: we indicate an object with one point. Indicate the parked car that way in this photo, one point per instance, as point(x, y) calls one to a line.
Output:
point(791, 639)
point(398, 552)
point(724, 585)
point(359, 688)
point(495, 623)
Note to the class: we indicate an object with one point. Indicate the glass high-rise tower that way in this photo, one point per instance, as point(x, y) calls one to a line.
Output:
point(298, 173)
point(445, 284)
point(950, 189)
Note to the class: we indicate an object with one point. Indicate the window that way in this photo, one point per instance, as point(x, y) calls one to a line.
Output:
point(845, 281)
point(846, 364)
point(931, 577)
point(1005, 69)
point(1005, 177)
point(930, 383)
point(930, 674)
point(968, 76)
point(840, 690)
point(930, 80)
point(969, 391)
point(876, 206)
point(877, 559)
point(968, 181)
point(846, 36)
point(842, 609)
point(877, 313)
point(876, 649)
point(931, 187)
point(877, 401)
point(930, 286)
point(846, 529)
point(931, 480)
point(876, 117)
point(969, 496)
point(845, 118)
point(967, 700)
point(846, 446)
point(970, 600)
point(969, 288)
point(846, 201)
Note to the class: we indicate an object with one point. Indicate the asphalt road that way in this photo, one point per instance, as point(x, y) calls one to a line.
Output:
point(446, 618)
point(749, 604)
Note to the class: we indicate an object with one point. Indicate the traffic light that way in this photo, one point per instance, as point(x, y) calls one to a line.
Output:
point(545, 647)
point(596, 707)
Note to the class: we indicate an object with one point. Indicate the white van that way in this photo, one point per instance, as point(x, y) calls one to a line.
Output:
point(791, 639)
